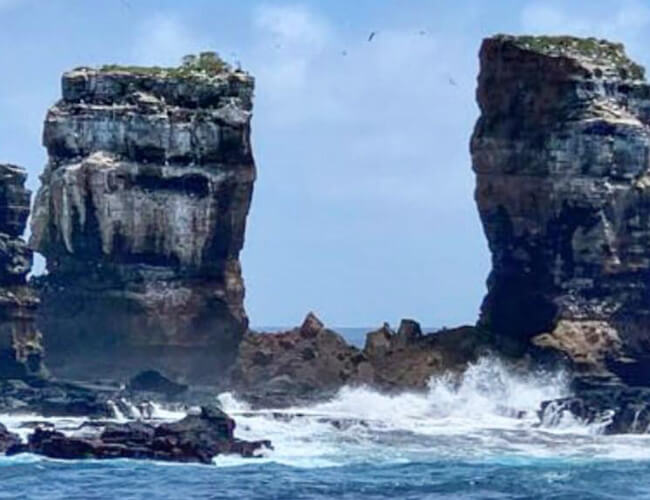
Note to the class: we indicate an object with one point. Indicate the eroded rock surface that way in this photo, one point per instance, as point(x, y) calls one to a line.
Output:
point(141, 218)
point(313, 362)
point(561, 155)
point(20, 342)
point(8, 439)
point(407, 359)
point(310, 362)
point(196, 438)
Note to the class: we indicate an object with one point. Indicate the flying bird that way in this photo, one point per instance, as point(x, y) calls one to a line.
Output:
point(452, 82)
point(372, 35)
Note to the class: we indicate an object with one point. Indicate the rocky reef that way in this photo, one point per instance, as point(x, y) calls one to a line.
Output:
point(141, 218)
point(198, 437)
point(313, 362)
point(20, 341)
point(561, 155)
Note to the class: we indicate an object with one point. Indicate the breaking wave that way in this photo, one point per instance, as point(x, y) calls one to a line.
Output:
point(490, 414)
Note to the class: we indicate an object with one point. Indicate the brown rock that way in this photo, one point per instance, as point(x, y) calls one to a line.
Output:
point(408, 359)
point(560, 155)
point(305, 363)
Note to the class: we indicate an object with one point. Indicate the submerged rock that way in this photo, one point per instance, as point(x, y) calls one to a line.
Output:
point(195, 438)
point(560, 153)
point(8, 440)
point(616, 410)
point(21, 351)
point(141, 217)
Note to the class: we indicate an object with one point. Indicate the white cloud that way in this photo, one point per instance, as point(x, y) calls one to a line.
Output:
point(365, 112)
point(164, 40)
point(292, 26)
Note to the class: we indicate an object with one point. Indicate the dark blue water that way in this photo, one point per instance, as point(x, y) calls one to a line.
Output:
point(434, 479)
point(455, 441)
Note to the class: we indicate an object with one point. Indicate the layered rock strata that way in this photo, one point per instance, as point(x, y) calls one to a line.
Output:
point(141, 218)
point(561, 153)
point(20, 342)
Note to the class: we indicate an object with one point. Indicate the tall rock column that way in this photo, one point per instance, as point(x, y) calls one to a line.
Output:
point(20, 341)
point(141, 218)
point(561, 153)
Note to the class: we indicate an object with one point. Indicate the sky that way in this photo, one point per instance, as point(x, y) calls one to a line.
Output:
point(363, 208)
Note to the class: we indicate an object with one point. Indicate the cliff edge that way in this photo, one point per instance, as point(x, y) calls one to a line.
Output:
point(561, 153)
point(141, 217)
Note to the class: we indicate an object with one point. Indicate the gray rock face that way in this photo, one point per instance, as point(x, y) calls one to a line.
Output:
point(20, 342)
point(561, 155)
point(141, 217)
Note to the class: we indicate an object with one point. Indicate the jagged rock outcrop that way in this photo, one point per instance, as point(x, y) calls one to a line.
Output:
point(20, 342)
point(313, 362)
point(296, 366)
point(408, 358)
point(7, 439)
point(198, 437)
point(141, 218)
point(561, 155)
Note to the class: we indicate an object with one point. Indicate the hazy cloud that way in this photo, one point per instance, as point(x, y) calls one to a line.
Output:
point(164, 39)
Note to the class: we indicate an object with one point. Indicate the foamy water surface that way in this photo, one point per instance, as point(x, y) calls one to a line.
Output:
point(481, 438)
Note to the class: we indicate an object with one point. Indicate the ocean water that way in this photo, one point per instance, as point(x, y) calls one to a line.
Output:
point(480, 439)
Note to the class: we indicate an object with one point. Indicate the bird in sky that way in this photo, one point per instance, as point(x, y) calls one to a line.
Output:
point(372, 35)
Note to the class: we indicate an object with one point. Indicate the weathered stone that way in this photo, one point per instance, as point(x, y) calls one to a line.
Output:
point(305, 363)
point(560, 153)
point(20, 342)
point(141, 218)
point(153, 381)
point(312, 362)
point(408, 359)
point(8, 439)
point(195, 438)
point(617, 409)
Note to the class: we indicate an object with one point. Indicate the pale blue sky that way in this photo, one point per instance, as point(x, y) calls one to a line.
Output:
point(363, 209)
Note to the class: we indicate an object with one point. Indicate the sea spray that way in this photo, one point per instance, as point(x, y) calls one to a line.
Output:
point(491, 410)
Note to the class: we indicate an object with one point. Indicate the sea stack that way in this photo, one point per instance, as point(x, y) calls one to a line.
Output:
point(141, 218)
point(561, 155)
point(20, 342)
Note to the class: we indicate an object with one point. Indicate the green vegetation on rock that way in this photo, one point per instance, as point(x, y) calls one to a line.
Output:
point(596, 51)
point(205, 63)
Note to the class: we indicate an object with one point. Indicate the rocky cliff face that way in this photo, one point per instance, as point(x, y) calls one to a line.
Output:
point(20, 342)
point(561, 153)
point(141, 218)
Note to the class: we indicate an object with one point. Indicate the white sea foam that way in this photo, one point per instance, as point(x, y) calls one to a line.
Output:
point(490, 413)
